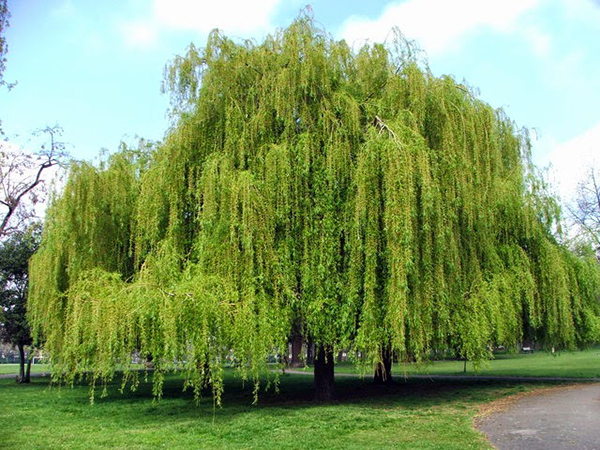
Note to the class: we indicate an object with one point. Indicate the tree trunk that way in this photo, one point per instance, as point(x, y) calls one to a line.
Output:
point(383, 370)
point(148, 364)
point(22, 378)
point(297, 341)
point(28, 370)
point(324, 373)
point(310, 353)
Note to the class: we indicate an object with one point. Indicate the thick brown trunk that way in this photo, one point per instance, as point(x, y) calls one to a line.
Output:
point(383, 370)
point(324, 367)
point(297, 341)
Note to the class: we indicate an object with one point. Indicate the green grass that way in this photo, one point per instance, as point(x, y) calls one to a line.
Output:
point(577, 364)
point(416, 415)
point(14, 368)
point(413, 414)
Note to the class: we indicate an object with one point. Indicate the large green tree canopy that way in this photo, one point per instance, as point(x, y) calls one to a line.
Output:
point(355, 193)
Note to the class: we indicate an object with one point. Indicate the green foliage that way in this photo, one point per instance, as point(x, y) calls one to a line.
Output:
point(15, 252)
point(353, 193)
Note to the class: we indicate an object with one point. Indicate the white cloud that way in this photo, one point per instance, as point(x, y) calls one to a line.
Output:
point(65, 10)
point(437, 24)
point(139, 33)
point(584, 11)
point(241, 16)
point(540, 41)
point(232, 16)
point(570, 161)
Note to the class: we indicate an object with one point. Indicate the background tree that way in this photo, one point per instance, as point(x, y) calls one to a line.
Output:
point(585, 212)
point(21, 172)
point(352, 197)
point(22, 184)
point(4, 16)
point(15, 252)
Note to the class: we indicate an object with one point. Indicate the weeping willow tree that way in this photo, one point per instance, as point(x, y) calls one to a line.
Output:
point(352, 196)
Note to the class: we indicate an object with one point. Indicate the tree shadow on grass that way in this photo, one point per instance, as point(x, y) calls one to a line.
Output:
point(296, 391)
point(411, 413)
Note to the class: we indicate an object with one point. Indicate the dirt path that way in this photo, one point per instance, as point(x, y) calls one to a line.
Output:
point(551, 420)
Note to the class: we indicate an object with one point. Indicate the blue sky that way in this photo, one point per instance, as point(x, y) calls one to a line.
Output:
point(95, 67)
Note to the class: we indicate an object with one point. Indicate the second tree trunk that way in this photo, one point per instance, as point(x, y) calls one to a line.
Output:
point(324, 368)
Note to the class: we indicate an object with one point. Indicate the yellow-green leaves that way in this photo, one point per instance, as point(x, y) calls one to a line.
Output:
point(353, 194)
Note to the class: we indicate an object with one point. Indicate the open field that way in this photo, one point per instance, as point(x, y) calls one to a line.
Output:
point(419, 414)
point(577, 364)
point(14, 368)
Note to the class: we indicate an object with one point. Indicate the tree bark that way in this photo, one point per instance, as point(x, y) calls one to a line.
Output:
point(22, 376)
point(28, 370)
point(310, 353)
point(324, 368)
point(297, 341)
point(383, 370)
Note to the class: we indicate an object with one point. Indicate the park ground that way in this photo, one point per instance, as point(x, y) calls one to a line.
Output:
point(416, 414)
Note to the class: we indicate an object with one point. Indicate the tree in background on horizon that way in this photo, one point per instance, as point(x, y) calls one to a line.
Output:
point(22, 179)
point(22, 189)
point(22, 184)
point(585, 210)
point(15, 252)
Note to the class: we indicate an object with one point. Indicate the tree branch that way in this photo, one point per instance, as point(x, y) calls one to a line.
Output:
point(15, 187)
point(586, 210)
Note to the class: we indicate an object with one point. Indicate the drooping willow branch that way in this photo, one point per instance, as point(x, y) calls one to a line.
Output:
point(288, 196)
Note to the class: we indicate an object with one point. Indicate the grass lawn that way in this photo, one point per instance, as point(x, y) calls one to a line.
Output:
point(585, 363)
point(419, 414)
point(14, 368)
point(414, 414)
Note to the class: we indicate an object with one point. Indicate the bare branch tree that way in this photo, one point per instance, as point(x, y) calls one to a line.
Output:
point(4, 16)
point(585, 211)
point(21, 178)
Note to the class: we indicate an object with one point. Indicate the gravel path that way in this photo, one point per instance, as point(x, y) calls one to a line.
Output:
point(556, 419)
